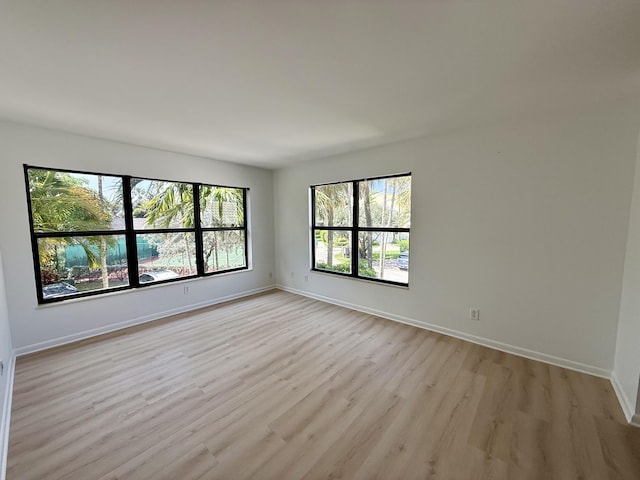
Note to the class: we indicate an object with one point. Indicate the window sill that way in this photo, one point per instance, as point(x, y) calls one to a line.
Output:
point(127, 291)
point(360, 279)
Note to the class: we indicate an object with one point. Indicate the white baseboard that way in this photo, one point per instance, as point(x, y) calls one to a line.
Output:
point(6, 417)
point(57, 342)
point(486, 342)
point(635, 420)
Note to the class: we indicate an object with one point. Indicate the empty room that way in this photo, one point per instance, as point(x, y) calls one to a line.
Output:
point(394, 239)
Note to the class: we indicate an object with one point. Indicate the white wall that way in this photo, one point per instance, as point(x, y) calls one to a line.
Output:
point(34, 326)
point(6, 355)
point(526, 221)
point(627, 362)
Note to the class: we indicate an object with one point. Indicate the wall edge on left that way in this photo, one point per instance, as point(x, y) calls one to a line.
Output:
point(6, 417)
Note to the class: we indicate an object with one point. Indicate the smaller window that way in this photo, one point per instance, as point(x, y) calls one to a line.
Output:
point(224, 239)
point(376, 246)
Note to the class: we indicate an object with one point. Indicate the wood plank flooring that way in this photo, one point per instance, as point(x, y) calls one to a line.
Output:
point(278, 386)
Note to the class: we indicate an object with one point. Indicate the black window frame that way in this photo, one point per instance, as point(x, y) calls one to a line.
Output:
point(354, 229)
point(200, 230)
point(130, 233)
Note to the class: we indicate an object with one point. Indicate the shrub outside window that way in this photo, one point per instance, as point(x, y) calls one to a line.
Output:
point(360, 228)
point(94, 233)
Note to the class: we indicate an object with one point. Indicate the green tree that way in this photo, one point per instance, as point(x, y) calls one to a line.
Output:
point(331, 204)
point(385, 203)
point(221, 207)
point(171, 205)
point(61, 203)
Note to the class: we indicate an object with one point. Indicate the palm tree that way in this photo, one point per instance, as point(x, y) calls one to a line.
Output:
point(60, 203)
point(213, 201)
point(402, 187)
point(328, 200)
point(171, 205)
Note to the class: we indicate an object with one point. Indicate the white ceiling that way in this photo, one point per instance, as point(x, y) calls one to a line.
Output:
point(269, 83)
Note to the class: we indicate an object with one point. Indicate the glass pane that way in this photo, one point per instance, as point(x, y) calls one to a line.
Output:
point(74, 202)
point(158, 204)
point(69, 266)
point(221, 206)
point(333, 250)
point(223, 250)
point(162, 256)
point(334, 205)
point(384, 255)
point(385, 202)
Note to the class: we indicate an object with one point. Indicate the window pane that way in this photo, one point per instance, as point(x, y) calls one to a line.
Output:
point(74, 202)
point(385, 202)
point(158, 204)
point(162, 256)
point(333, 250)
point(221, 206)
point(69, 266)
point(223, 250)
point(334, 205)
point(384, 255)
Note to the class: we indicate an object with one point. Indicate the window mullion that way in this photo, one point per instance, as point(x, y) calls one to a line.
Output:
point(198, 229)
point(245, 219)
point(313, 227)
point(87, 233)
point(132, 248)
point(355, 254)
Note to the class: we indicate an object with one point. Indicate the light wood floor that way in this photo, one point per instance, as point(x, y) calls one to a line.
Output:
point(279, 386)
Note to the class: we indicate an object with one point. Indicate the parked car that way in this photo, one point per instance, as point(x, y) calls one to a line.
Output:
point(403, 261)
point(58, 289)
point(158, 275)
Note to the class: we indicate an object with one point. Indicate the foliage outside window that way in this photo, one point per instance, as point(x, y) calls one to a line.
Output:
point(360, 228)
point(93, 233)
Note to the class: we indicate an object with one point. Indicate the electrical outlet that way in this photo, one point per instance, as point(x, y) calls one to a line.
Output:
point(291, 274)
point(306, 278)
point(270, 274)
point(186, 289)
point(1, 368)
point(474, 314)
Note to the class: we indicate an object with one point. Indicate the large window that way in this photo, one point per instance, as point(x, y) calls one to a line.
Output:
point(360, 228)
point(93, 233)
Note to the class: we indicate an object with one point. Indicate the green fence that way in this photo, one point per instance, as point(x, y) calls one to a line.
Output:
point(75, 256)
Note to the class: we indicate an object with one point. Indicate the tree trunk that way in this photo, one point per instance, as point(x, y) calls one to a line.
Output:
point(385, 221)
point(103, 242)
point(393, 202)
point(226, 250)
point(216, 260)
point(368, 248)
point(186, 246)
